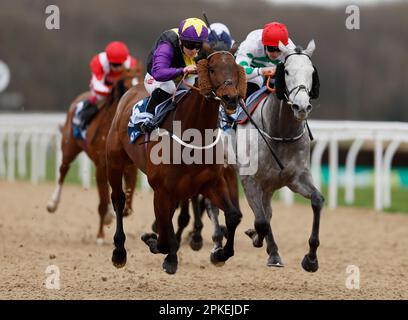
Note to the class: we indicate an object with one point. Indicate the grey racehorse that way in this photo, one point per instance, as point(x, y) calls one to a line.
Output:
point(283, 122)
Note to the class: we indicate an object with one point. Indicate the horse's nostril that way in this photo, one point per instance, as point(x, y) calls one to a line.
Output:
point(226, 98)
point(295, 107)
point(309, 108)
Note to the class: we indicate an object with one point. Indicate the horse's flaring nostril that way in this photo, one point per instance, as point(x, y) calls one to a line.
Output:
point(226, 98)
point(309, 108)
point(295, 107)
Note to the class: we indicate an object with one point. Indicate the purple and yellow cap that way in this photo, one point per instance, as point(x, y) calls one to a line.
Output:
point(193, 29)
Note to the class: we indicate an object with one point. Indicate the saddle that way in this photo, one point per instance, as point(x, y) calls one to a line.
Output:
point(139, 114)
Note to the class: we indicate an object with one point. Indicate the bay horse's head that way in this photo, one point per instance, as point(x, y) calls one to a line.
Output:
point(297, 80)
point(220, 77)
point(129, 78)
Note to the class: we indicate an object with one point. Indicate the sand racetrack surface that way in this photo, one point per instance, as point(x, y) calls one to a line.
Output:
point(32, 239)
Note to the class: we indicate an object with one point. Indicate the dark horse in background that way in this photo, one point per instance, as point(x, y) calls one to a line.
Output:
point(220, 79)
point(95, 147)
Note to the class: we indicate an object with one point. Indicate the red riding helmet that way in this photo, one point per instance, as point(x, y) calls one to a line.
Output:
point(273, 33)
point(117, 52)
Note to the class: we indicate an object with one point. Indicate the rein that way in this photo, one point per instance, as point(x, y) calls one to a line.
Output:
point(212, 95)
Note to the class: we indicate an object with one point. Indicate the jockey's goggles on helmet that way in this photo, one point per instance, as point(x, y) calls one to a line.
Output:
point(115, 65)
point(272, 49)
point(191, 45)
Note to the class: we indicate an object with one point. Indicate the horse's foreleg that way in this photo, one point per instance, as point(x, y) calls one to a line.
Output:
point(218, 234)
point(274, 259)
point(69, 152)
point(167, 242)
point(220, 196)
point(115, 174)
point(304, 186)
point(183, 219)
point(105, 216)
point(130, 176)
point(196, 241)
point(254, 195)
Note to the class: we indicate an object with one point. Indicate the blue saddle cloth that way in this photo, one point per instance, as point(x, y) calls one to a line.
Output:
point(139, 114)
point(77, 132)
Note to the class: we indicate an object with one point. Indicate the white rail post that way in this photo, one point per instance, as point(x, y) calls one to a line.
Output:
point(34, 157)
point(22, 153)
point(145, 186)
point(350, 170)
point(287, 196)
point(316, 162)
point(389, 154)
point(11, 155)
point(2, 155)
point(85, 170)
point(58, 154)
point(378, 150)
point(44, 141)
point(333, 171)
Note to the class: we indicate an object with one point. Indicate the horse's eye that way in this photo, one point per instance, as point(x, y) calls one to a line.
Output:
point(287, 72)
point(212, 71)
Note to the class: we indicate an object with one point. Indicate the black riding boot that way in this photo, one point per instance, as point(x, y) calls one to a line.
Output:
point(157, 97)
point(89, 110)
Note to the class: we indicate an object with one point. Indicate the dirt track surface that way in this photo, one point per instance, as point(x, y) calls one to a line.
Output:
point(31, 239)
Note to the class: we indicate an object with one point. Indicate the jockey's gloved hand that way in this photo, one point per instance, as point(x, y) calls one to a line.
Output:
point(190, 69)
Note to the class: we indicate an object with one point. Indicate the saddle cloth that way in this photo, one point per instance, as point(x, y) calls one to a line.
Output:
point(139, 114)
point(252, 102)
point(76, 120)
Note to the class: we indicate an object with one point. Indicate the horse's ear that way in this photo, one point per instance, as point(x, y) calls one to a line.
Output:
point(234, 48)
point(283, 49)
point(242, 82)
point(204, 83)
point(207, 48)
point(310, 48)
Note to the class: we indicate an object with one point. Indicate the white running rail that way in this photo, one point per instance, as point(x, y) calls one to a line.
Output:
point(40, 131)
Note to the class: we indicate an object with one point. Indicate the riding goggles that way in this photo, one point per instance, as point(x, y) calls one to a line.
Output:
point(191, 45)
point(272, 49)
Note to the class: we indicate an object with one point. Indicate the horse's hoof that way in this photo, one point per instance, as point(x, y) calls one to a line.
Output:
point(254, 237)
point(217, 257)
point(147, 236)
point(151, 241)
point(310, 265)
point(127, 212)
point(109, 216)
point(51, 206)
point(170, 265)
point(196, 245)
point(275, 261)
point(119, 258)
point(100, 241)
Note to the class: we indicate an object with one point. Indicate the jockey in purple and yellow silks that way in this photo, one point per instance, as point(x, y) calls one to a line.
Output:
point(172, 56)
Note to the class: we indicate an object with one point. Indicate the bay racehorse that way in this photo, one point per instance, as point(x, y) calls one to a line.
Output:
point(283, 120)
point(219, 79)
point(94, 145)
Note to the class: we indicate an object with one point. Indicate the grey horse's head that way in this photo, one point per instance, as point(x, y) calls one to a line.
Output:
point(299, 78)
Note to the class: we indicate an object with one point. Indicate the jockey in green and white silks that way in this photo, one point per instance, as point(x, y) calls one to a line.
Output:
point(259, 53)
